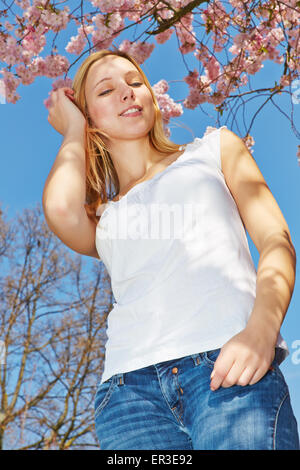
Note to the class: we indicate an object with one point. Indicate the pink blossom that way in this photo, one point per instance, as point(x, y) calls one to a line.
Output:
point(254, 38)
point(213, 69)
point(192, 78)
point(60, 83)
point(244, 79)
point(249, 142)
point(77, 43)
point(194, 98)
point(161, 38)
point(33, 44)
point(55, 21)
point(285, 80)
point(10, 85)
point(198, 90)
point(25, 75)
point(38, 66)
point(167, 105)
point(134, 9)
point(106, 6)
point(102, 35)
point(2, 92)
point(8, 26)
point(160, 87)
point(185, 33)
point(140, 51)
point(23, 4)
point(55, 65)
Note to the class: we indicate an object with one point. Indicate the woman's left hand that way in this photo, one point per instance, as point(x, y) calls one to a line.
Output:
point(244, 359)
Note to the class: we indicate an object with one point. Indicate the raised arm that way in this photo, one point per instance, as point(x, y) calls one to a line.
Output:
point(64, 191)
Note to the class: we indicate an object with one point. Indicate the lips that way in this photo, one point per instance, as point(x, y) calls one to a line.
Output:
point(139, 108)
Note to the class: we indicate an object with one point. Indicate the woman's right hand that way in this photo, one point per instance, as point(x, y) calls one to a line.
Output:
point(64, 114)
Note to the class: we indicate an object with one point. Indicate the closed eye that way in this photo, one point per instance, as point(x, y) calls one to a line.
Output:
point(107, 91)
point(104, 92)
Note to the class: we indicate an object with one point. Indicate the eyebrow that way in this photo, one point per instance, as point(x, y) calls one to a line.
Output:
point(126, 74)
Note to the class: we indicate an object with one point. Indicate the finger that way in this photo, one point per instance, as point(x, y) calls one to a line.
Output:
point(233, 375)
point(71, 97)
point(64, 90)
point(68, 92)
point(221, 368)
point(53, 97)
point(246, 376)
point(257, 376)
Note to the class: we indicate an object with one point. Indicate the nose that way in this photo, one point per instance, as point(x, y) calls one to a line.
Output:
point(127, 93)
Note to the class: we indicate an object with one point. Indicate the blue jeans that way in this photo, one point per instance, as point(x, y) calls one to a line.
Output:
point(169, 405)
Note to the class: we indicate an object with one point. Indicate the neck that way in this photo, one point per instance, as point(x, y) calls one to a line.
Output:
point(132, 160)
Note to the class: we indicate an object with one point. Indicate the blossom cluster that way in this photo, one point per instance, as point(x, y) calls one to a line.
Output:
point(60, 83)
point(140, 51)
point(185, 34)
point(167, 105)
point(253, 45)
point(269, 31)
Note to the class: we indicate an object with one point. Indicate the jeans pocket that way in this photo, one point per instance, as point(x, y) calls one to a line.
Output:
point(210, 357)
point(103, 394)
point(274, 369)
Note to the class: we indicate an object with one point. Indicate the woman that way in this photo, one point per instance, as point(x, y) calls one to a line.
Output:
point(194, 344)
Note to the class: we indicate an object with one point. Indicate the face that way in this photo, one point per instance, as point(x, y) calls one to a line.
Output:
point(114, 84)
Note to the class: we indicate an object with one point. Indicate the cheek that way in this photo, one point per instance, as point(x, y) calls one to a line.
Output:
point(151, 112)
point(151, 105)
point(103, 113)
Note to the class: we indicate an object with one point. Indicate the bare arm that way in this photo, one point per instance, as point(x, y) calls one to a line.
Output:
point(247, 356)
point(64, 196)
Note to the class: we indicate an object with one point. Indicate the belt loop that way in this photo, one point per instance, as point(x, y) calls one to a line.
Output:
point(196, 358)
point(120, 378)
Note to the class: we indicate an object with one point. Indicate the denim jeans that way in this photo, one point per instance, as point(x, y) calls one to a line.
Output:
point(169, 405)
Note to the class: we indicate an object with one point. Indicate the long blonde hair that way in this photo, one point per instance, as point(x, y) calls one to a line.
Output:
point(100, 170)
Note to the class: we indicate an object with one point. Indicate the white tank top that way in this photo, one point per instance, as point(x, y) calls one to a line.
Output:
point(181, 272)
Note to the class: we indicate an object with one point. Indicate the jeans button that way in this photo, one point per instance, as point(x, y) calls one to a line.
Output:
point(174, 370)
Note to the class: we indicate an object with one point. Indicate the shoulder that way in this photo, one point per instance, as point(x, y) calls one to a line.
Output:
point(256, 204)
point(232, 149)
point(230, 141)
point(229, 145)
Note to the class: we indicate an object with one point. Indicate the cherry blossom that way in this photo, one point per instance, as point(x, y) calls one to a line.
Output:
point(138, 50)
point(251, 33)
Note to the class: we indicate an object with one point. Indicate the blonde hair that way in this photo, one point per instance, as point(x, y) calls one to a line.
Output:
point(100, 170)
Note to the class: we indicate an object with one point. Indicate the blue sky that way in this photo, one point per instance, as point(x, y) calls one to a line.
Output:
point(29, 146)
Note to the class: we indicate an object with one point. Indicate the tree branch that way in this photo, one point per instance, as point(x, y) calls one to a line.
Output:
point(166, 24)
